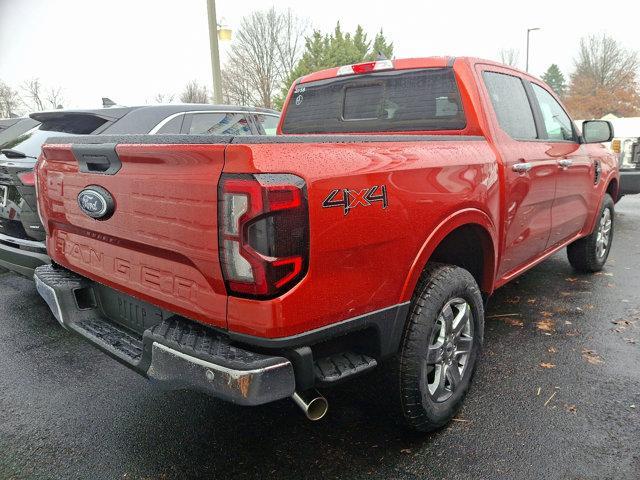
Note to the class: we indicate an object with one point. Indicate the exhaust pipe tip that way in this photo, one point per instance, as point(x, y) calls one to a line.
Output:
point(313, 404)
point(317, 409)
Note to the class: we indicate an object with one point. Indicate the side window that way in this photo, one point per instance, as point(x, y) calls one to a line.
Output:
point(172, 126)
point(267, 124)
point(219, 124)
point(556, 122)
point(511, 104)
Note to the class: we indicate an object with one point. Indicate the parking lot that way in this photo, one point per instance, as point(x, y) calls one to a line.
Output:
point(557, 395)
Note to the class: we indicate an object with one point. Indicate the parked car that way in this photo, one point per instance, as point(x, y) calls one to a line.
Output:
point(14, 127)
point(628, 150)
point(7, 122)
point(401, 195)
point(22, 246)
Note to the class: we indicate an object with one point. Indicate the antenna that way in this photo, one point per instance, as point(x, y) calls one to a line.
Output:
point(380, 56)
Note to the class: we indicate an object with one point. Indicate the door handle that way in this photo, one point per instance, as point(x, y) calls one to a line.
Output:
point(565, 163)
point(522, 167)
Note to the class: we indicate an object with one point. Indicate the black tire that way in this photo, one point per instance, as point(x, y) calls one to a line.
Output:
point(424, 410)
point(586, 255)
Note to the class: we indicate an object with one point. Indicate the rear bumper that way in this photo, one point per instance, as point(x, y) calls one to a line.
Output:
point(175, 353)
point(629, 182)
point(20, 260)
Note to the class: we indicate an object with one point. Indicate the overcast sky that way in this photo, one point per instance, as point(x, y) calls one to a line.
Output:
point(130, 50)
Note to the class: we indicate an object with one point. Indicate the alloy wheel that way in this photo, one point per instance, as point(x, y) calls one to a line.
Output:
point(604, 233)
point(449, 349)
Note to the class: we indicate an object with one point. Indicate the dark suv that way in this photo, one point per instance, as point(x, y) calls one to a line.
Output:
point(22, 236)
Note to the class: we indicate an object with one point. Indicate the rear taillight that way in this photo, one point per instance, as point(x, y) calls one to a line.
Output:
point(263, 225)
point(27, 178)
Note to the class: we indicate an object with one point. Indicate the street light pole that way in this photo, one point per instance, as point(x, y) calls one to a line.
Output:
point(215, 51)
point(529, 30)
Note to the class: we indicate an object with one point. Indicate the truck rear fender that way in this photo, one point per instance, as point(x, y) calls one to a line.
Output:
point(458, 240)
point(612, 188)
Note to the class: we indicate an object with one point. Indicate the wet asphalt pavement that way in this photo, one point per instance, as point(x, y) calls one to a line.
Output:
point(68, 411)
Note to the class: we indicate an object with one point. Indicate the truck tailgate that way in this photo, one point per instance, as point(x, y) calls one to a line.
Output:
point(161, 242)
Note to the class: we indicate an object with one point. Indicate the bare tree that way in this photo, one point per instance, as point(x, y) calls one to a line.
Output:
point(9, 100)
point(290, 41)
point(194, 93)
point(236, 86)
point(605, 79)
point(509, 56)
point(606, 62)
point(41, 98)
point(266, 48)
point(55, 98)
point(33, 91)
point(163, 98)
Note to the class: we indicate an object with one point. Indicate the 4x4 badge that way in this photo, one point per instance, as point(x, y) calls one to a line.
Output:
point(350, 199)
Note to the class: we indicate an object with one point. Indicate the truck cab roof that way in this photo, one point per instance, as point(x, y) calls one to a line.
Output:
point(407, 64)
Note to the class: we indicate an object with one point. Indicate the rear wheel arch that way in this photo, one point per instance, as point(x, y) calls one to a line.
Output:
point(589, 254)
point(613, 189)
point(465, 239)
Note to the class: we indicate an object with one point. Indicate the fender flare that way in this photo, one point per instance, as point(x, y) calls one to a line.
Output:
point(468, 216)
point(613, 178)
point(591, 223)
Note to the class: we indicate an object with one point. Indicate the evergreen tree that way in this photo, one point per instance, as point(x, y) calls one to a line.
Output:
point(555, 79)
point(336, 49)
point(360, 43)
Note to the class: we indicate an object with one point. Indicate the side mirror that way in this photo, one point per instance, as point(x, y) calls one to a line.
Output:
point(597, 131)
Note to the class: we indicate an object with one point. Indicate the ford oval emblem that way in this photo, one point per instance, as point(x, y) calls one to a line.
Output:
point(96, 202)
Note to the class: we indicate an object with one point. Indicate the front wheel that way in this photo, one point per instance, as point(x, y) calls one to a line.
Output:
point(589, 254)
point(440, 347)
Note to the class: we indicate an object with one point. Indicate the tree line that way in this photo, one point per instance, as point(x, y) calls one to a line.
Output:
point(272, 48)
point(604, 78)
point(32, 96)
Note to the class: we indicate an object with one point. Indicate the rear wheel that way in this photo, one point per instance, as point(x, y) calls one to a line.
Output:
point(589, 254)
point(440, 347)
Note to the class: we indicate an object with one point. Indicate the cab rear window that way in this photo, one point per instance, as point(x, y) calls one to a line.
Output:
point(402, 100)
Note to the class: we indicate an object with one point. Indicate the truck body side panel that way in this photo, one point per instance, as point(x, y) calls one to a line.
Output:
point(360, 259)
point(161, 244)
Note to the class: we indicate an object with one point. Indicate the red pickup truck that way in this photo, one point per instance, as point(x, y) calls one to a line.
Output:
point(397, 197)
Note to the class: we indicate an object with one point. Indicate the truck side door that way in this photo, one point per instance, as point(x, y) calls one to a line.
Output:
point(575, 189)
point(529, 173)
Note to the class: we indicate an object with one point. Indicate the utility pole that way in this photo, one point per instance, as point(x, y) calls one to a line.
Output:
point(529, 30)
point(215, 52)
